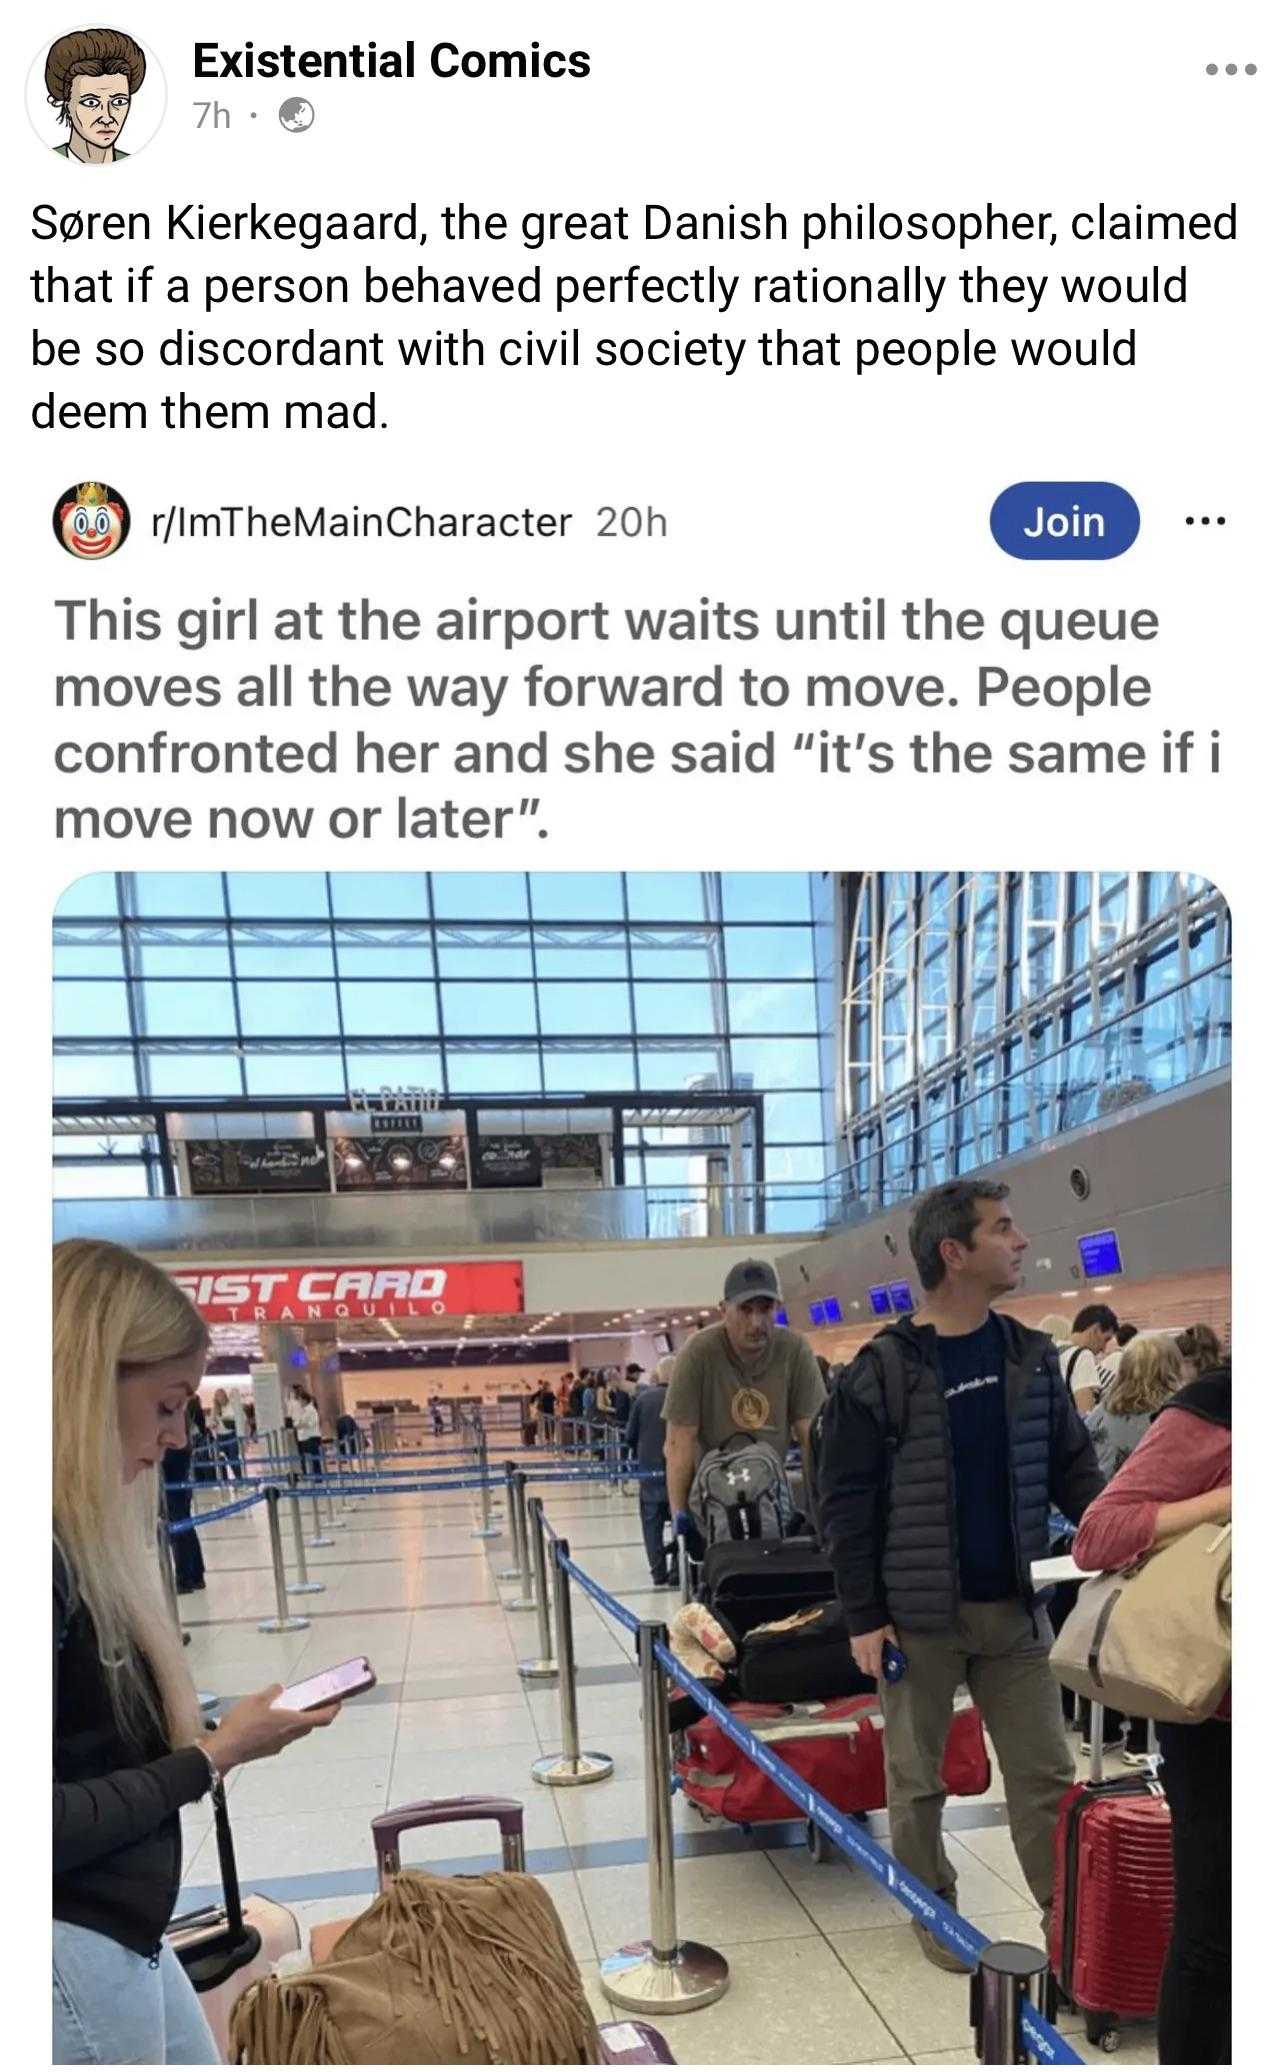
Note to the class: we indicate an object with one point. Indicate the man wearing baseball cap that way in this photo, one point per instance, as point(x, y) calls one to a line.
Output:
point(744, 1376)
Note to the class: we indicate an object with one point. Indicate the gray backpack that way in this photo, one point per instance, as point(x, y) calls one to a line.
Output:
point(741, 1492)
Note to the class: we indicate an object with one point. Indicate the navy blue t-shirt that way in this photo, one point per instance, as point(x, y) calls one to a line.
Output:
point(973, 1385)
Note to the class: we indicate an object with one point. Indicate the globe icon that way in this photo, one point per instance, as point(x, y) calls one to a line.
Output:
point(296, 114)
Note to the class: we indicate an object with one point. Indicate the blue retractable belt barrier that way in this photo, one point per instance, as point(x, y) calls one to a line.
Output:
point(1044, 2042)
point(610, 1605)
point(246, 1503)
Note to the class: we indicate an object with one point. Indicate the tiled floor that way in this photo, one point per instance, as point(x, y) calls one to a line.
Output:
point(823, 1968)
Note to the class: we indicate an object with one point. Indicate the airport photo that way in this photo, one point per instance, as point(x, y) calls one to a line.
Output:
point(634, 1452)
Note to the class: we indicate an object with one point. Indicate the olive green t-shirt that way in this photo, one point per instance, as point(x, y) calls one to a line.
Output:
point(723, 1396)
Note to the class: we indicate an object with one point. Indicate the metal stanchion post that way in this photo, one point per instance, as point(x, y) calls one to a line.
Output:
point(512, 1571)
point(300, 1587)
point(525, 1598)
point(661, 1975)
point(327, 1490)
point(575, 1765)
point(285, 1621)
point(487, 1530)
point(314, 1476)
point(684, 1569)
point(542, 1667)
point(1008, 1972)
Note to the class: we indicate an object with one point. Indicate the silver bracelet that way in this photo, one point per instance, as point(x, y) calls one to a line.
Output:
point(216, 1775)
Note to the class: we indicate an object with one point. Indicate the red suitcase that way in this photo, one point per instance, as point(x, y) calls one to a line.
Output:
point(837, 1747)
point(1112, 1912)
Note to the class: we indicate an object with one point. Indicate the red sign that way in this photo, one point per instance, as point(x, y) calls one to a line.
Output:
point(339, 1294)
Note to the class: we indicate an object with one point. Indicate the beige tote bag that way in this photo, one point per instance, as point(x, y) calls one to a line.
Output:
point(1154, 1641)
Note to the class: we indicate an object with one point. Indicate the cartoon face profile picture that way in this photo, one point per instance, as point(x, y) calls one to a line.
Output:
point(91, 520)
point(91, 78)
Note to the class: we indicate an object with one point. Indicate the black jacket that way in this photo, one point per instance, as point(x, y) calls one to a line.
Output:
point(117, 1847)
point(887, 1496)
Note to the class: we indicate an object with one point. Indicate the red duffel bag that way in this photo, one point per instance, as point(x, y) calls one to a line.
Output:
point(836, 1747)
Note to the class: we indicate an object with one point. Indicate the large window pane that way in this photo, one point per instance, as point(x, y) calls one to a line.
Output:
point(181, 1008)
point(678, 960)
point(195, 1077)
point(766, 896)
point(184, 960)
point(669, 1071)
point(486, 1072)
point(84, 959)
point(492, 959)
point(664, 1010)
point(571, 1010)
point(383, 1009)
point(590, 961)
point(794, 1119)
point(771, 1010)
point(774, 953)
point(175, 895)
point(577, 895)
point(801, 1162)
point(488, 1010)
point(283, 960)
point(379, 895)
point(669, 896)
point(776, 1061)
point(278, 895)
point(302, 1073)
point(87, 1077)
point(90, 1008)
point(479, 895)
point(387, 959)
point(95, 893)
point(107, 1181)
point(307, 1008)
point(584, 1072)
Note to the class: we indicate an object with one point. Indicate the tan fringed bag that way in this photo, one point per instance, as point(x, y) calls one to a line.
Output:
point(1154, 1641)
point(438, 1971)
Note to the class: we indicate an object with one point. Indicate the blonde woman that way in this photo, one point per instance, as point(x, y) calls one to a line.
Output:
point(128, 1353)
point(1150, 1371)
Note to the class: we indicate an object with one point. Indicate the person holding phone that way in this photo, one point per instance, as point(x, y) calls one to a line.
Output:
point(129, 1350)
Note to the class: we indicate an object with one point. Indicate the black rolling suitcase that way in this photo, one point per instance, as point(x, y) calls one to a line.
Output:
point(746, 1583)
point(809, 1661)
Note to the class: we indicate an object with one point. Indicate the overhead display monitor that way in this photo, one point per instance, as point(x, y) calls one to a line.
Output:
point(1099, 1254)
point(902, 1297)
point(833, 1310)
point(782, 1317)
point(880, 1302)
point(816, 1310)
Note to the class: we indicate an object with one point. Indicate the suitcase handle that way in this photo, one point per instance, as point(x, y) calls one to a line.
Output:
point(388, 1828)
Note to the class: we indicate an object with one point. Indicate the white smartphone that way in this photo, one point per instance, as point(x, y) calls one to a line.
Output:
point(346, 1680)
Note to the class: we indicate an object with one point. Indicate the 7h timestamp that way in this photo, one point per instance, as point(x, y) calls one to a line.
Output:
point(631, 522)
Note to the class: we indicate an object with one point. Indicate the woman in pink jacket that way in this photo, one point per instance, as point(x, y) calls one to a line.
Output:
point(1179, 1476)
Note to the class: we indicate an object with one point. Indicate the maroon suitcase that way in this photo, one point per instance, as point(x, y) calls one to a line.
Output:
point(622, 2043)
point(1112, 1907)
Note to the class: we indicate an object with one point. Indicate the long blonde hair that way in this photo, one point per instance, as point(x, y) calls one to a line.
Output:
point(1149, 1371)
point(113, 1310)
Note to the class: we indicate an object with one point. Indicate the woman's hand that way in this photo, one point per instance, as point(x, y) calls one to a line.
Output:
point(258, 1727)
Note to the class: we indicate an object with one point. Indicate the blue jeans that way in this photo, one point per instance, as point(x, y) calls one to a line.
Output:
point(111, 2007)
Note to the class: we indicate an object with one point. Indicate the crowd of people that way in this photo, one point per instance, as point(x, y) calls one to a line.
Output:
point(932, 1463)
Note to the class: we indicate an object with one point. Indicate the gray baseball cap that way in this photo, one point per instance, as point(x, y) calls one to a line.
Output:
point(749, 1281)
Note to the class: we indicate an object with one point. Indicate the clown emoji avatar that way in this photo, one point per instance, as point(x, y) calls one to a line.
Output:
point(91, 78)
point(91, 520)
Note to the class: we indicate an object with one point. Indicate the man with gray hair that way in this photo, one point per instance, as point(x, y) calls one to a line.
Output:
point(945, 1442)
point(745, 1377)
point(644, 1441)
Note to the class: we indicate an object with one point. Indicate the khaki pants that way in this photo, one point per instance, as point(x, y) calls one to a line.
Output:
point(996, 1652)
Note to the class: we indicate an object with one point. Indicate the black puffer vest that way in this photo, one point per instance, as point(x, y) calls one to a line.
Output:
point(896, 1382)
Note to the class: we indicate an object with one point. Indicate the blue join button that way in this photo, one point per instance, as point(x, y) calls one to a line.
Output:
point(1065, 521)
